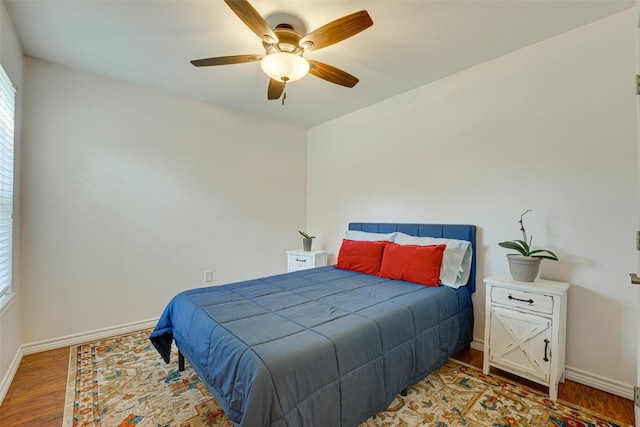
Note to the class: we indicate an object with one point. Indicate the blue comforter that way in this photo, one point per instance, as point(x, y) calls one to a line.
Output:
point(321, 347)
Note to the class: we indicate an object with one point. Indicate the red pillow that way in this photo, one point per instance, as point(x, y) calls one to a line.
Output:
point(361, 256)
point(413, 263)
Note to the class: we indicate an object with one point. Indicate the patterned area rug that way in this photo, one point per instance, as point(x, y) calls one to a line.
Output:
point(122, 381)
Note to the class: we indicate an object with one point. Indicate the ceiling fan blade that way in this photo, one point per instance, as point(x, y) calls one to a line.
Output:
point(332, 74)
point(225, 60)
point(336, 31)
point(252, 19)
point(275, 90)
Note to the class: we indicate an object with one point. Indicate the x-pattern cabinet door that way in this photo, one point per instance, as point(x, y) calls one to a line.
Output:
point(521, 342)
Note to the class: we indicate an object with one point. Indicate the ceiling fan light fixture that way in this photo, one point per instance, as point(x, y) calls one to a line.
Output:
point(284, 66)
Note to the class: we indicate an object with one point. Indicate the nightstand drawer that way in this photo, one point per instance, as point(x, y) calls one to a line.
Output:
point(516, 298)
point(298, 260)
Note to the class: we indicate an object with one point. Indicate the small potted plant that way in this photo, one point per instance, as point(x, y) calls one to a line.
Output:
point(306, 240)
point(524, 266)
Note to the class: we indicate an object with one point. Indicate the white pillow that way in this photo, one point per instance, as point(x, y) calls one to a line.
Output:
point(456, 262)
point(369, 237)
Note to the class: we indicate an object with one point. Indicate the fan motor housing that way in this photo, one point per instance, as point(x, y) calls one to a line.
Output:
point(288, 40)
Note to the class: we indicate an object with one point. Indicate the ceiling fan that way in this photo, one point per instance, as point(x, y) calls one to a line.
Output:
point(284, 47)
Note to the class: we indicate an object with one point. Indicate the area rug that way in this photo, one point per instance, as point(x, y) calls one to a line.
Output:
point(122, 381)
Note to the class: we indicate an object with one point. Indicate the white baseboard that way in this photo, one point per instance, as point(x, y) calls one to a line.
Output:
point(97, 334)
point(601, 383)
point(11, 372)
point(586, 378)
point(477, 344)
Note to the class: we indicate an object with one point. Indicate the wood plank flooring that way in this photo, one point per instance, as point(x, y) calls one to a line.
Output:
point(36, 396)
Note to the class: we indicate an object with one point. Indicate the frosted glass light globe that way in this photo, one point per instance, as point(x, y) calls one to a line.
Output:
point(284, 67)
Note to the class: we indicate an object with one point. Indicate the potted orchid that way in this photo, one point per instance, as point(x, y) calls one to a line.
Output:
point(307, 239)
point(525, 264)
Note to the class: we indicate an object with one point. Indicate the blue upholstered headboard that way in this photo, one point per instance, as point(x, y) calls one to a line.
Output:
point(450, 231)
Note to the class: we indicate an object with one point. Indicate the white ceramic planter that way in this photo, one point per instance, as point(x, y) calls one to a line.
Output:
point(524, 268)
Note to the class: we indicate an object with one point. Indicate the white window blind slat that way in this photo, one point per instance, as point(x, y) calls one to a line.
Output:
point(7, 125)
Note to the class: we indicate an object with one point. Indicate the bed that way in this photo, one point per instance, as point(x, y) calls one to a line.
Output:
point(324, 346)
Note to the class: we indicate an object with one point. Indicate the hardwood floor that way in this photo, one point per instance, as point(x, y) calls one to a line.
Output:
point(36, 396)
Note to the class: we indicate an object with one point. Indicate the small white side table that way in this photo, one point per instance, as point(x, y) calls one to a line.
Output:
point(525, 327)
point(302, 260)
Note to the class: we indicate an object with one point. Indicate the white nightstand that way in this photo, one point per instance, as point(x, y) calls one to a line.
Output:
point(302, 260)
point(525, 327)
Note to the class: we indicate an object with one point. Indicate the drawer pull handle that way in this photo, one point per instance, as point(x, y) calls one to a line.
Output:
point(546, 346)
point(301, 260)
point(530, 301)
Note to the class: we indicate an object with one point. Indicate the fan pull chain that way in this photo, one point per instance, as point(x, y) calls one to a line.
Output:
point(284, 90)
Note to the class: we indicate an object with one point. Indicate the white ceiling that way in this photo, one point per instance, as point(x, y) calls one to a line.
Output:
point(412, 42)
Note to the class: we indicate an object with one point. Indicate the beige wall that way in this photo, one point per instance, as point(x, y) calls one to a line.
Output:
point(550, 128)
point(129, 195)
point(10, 331)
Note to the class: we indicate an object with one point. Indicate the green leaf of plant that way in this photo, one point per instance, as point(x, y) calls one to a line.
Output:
point(540, 253)
point(525, 246)
point(515, 245)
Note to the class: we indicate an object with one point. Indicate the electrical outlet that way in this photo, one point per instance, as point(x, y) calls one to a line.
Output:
point(208, 276)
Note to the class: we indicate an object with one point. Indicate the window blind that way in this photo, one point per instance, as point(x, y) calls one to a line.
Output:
point(7, 125)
